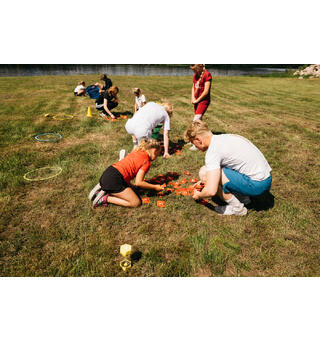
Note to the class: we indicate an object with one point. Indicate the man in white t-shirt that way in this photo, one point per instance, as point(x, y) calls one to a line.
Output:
point(233, 165)
point(150, 115)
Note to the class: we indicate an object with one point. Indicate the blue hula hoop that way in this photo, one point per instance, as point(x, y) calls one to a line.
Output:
point(56, 139)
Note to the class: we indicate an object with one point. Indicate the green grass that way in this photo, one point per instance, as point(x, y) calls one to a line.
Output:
point(47, 228)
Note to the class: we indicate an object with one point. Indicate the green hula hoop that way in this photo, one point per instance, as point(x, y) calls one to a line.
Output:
point(59, 170)
point(62, 117)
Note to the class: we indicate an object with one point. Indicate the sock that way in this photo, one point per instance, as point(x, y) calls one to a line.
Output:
point(233, 201)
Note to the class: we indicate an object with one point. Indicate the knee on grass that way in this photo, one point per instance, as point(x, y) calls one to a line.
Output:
point(135, 203)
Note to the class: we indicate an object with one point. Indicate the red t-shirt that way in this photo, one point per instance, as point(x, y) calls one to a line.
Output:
point(132, 163)
point(199, 87)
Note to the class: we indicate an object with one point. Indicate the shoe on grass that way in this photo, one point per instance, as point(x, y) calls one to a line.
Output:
point(98, 197)
point(193, 148)
point(94, 191)
point(103, 115)
point(231, 210)
point(122, 154)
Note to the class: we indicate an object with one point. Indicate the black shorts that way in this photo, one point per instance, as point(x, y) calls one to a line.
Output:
point(112, 181)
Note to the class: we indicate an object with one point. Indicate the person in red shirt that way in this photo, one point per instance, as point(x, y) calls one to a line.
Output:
point(200, 95)
point(114, 186)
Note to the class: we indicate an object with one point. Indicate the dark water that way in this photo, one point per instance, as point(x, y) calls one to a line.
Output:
point(124, 69)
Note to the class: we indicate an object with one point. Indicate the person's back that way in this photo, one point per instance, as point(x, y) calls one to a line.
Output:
point(238, 153)
point(150, 115)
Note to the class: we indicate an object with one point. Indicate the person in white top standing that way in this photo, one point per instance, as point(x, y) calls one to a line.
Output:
point(146, 118)
point(234, 165)
point(140, 99)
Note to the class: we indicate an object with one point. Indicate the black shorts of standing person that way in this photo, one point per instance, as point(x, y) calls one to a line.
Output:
point(107, 101)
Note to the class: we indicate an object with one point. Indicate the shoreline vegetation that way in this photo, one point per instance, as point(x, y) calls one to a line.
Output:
point(47, 228)
point(15, 70)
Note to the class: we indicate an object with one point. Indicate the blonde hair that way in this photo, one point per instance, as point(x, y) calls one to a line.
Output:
point(113, 90)
point(197, 127)
point(168, 108)
point(147, 144)
point(202, 73)
point(136, 91)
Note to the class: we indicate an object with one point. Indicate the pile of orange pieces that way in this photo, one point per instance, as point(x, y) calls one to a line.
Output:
point(121, 117)
point(174, 187)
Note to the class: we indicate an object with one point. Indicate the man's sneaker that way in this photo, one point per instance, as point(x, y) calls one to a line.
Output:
point(103, 201)
point(231, 210)
point(94, 191)
point(98, 197)
point(193, 148)
point(245, 199)
point(122, 154)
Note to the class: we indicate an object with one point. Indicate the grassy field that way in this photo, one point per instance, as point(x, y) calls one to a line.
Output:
point(48, 228)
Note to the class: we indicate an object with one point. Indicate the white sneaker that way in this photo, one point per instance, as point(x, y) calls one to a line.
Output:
point(93, 192)
point(122, 154)
point(103, 115)
point(193, 148)
point(231, 210)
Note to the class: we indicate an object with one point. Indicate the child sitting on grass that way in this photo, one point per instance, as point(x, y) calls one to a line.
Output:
point(140, 99)
point(114, 186)
point(80, 89)
point(107, 101)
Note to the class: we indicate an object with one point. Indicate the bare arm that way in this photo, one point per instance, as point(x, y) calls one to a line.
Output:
point(192, 95)
point(139, 182)
point(206, 91)
point(105, 106)
point(166, 144)
point(211, 187)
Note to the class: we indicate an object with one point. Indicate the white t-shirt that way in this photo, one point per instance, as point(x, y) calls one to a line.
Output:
point(238, 153)
point(150, 115)
point(140, 100)
point(78, 88)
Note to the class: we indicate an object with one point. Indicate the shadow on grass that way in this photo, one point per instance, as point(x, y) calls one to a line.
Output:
point(127, 113)
point(263, 202)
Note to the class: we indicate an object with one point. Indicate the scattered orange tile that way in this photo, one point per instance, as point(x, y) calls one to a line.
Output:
point(204, 202)
point(183, 181)
point(145, 200)
point(193, 180)
point(161, 203)
point(178, 152)
point(187, 173)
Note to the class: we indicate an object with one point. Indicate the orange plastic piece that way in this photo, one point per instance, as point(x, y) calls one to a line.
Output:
point(204, 202)
point(145, 200)
point(161, 203)
point(193, 180)
point(160, 175)
point(183, 181)
point(178, 152)
point(163, 185)
point(185, 192)
point(170, 190)
point(191, 192)
point(187, 173)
